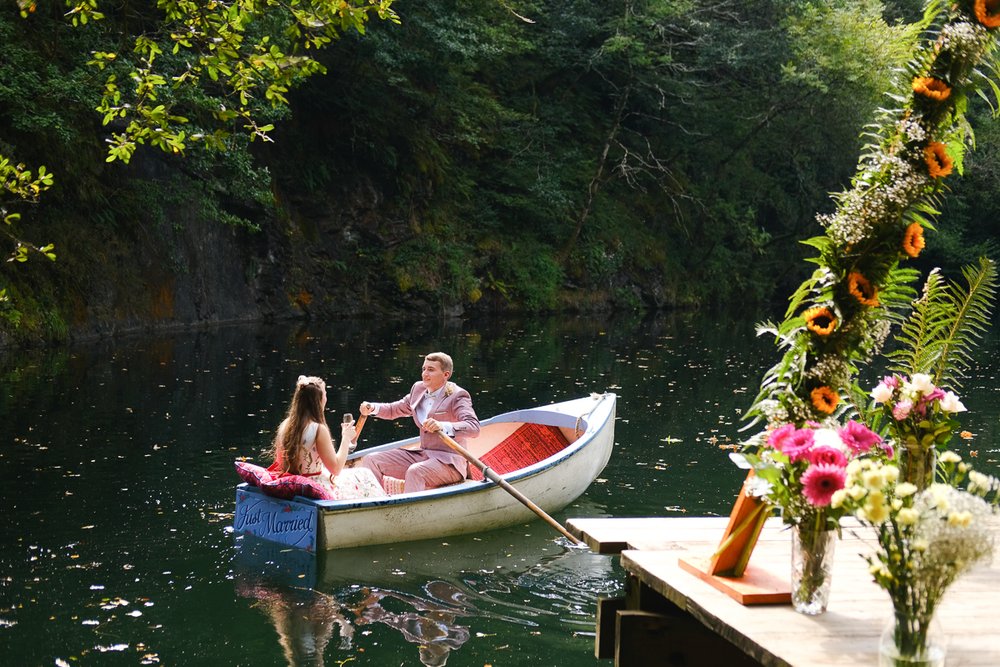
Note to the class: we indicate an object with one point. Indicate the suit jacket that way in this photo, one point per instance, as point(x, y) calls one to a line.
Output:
point(452, 405)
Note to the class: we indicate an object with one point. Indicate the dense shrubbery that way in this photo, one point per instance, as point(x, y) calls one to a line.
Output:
point(648, 153)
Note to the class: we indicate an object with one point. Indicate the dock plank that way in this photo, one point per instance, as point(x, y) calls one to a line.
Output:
point(847, 634)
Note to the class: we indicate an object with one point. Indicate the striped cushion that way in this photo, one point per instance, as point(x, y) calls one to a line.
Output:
point(527, 445)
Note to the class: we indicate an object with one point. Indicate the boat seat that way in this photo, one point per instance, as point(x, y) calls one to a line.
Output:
point(528, 445)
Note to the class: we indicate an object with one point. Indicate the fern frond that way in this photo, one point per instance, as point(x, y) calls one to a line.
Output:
point(973, 307)
point(920, 334)
point(945, 324)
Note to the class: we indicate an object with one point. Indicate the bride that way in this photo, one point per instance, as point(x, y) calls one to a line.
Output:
point(303, 446)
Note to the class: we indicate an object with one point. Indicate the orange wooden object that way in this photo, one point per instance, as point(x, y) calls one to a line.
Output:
point(745, 523)
point(728, 569)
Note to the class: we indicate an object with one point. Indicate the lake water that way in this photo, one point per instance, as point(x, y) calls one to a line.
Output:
point(119, 492)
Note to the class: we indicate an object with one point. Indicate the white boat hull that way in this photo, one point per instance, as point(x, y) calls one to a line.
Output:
point(471, 506)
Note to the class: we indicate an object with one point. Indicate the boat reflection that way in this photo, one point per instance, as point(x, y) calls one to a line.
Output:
point(280, 582)
point(431, 593)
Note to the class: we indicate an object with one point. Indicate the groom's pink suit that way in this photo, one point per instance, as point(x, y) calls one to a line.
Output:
point(434, 464)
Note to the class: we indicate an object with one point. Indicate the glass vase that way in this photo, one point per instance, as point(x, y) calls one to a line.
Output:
point(917, 464)
point(911, 642)
point(812, 568)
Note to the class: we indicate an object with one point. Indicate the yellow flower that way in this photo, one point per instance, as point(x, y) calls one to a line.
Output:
point(913, 239)
point(931, 88)
point(960, 519)
point(891, 473)
point(905, 489)
point(907, 516)
point(873, 479)
point(949, 457)
point(939, 163)
point(876, 513)
point(988, 12)
point(820, 320)
point(940, 494)
point(824, 399)
point(862, 290)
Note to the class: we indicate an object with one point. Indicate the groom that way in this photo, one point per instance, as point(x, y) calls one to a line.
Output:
point(435, 404)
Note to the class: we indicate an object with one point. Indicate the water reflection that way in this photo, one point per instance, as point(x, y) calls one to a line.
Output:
point(303, 618)
point(313, 600)
point(431, 622)
point(121, 484)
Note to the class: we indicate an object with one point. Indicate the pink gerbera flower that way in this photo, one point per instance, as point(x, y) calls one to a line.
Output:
point(858, 437)
point(792, 442)
point(824, 455)
point(779, 434)
point(902, 409)
point(819, 482)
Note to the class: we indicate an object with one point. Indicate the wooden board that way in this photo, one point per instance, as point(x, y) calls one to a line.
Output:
point(846, 635)
point(764, 584)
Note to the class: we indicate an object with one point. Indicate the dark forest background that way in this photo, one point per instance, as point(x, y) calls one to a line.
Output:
point(482, 156)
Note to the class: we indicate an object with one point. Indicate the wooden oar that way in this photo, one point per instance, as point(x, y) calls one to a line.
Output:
point(503, 484)
point(357, 429)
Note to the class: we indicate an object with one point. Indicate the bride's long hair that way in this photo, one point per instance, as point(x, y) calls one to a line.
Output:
point(306, 407)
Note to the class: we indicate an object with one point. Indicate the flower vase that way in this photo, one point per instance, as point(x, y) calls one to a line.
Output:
point(917, 464)
point(911, 642)
point(812, 568)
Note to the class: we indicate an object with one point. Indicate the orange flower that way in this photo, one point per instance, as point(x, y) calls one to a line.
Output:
point(988, 12)
point(862, 290)
point(824, 399)
point(931, 88)
point(820, 320)
point(939, 164)
point(913, 239)
point(966, 435)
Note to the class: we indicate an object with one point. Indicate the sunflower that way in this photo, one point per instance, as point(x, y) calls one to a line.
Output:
point(939, 164)
point(862, 290)
point(824, 399)
point(931, 88)
point(820, 320)
point(988, 12)
point(913, 239)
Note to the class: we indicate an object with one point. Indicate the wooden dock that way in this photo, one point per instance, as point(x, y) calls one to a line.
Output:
point(671, 617)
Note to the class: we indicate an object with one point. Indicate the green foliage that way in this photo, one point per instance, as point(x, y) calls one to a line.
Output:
point(838, 318)
point(945, 324)
point(19, 186)
point(245, 58)
point(644, 153)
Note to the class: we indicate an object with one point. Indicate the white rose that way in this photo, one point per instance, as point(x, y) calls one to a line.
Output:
point(881, 393)
point(921, 382)
point(950, 403)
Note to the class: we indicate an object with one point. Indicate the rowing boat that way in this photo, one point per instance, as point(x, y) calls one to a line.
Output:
point(551, 454)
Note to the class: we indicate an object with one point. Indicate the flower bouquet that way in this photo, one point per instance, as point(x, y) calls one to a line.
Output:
point(926, 540)
point(921, 420)
point(800, 470)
